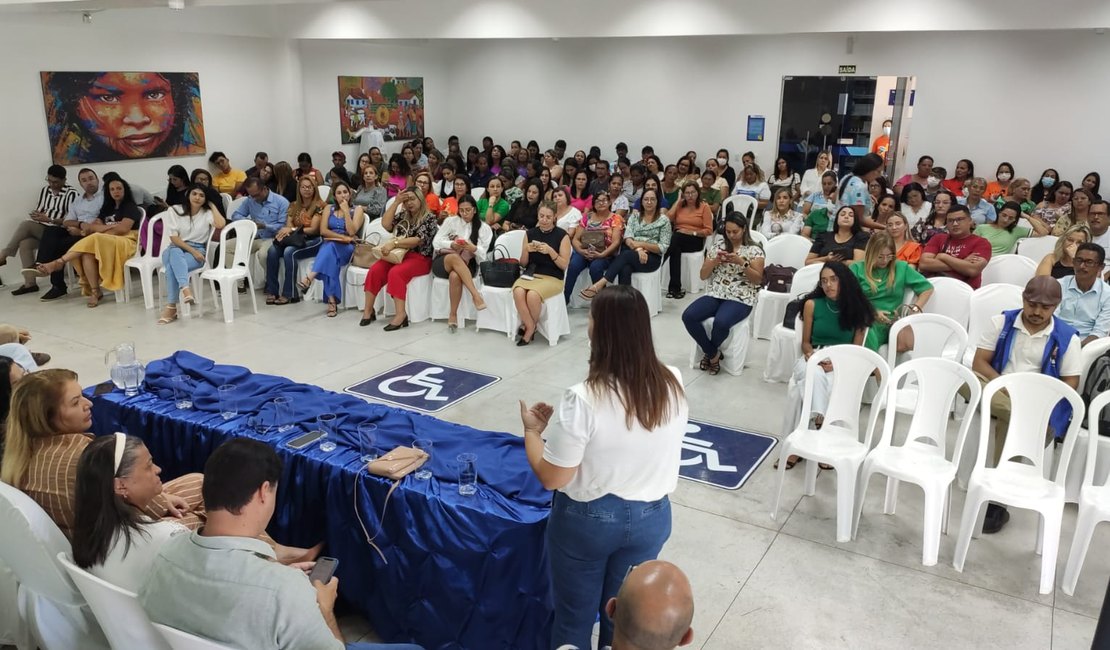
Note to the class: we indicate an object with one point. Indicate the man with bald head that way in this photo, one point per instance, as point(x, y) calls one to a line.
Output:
point(652, 610)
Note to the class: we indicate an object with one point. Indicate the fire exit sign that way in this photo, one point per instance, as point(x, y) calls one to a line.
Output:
point(847, 69)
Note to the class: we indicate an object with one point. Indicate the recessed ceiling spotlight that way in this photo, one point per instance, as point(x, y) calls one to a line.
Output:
point(86, 18)
point(177, 5)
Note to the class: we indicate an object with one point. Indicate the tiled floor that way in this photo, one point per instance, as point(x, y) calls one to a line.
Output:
point(757, 582)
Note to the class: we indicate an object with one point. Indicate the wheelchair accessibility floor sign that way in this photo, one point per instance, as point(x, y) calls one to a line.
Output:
point(423, 386)
point(722, 457)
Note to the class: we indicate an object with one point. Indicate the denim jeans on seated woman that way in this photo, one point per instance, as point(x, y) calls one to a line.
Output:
point(591, 546)
point(725, 315)
point(578, 264)
point(291, 255)
point(177, 263)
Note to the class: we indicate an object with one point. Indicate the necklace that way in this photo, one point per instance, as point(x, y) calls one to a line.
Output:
point(829, 306)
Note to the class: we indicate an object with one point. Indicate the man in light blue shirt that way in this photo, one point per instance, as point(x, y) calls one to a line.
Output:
point(1086, 297)
point(981, 210)
point(268, 210)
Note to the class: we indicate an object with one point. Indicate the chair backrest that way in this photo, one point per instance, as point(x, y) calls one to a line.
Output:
point(788, 250)
point(936, 382)
point(952, 298)
point(806, 279)
point(1012, 269)
point(29, 543)
point(1089, 354)
point(147, 229)
point(1093, 413)
point(1035, 248)
point(117, 610)
point(759, 238)
point(180, 640)
point(513, 241)
point(388, 202)
point(934, 336)
point(478, 193)
point(233, 205)
point(324, 191)
point(1033, 397)
point(853, 366)
point(990, 301)
point(375, 227)
point(742, 203)
point(245, 231)
point(227, 202)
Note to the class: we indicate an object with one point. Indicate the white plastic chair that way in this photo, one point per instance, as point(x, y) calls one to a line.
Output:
point(229, 276)
point(1012, 269)
point(650, 284)
point(951, 298)
point(786, 343)
point(355, 276)
point(987, 302)
point(195, 281)
point(1032, 399)
point(478, 193)
point(181, 640)
point(118, 611)
point(500, 312)
point(1035, 248)
point(324, 191)
point(1094, 499)
point(759, 237)
point(922, 458)
point(742, 203)
point(735, 348)
point(13, 631)
point(53, 609)
point(934, 336)
point(233, 205)
point(1073, 485)
point(146, 263)
point(837, 442)
point(227, 201)
point(786, 250)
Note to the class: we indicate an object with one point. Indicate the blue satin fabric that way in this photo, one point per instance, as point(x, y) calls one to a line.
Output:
point(462, 572)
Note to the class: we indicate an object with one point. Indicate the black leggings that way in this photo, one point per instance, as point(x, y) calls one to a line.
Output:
point(681, 243)
point(628, 262)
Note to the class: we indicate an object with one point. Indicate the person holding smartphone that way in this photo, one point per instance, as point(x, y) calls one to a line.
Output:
point(461, 244)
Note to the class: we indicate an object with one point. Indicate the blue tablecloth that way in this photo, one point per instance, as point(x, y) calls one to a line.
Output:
point(462, 572)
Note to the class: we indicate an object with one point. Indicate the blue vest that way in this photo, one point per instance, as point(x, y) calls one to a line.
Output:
point(1054, 349)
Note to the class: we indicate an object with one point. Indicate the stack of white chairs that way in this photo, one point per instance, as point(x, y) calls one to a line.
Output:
point(785, 250)
point(1011, 269)
point(786, 344)
point(228, 276)
point(1014, 483)
point(145, 261)
point(1074, 483)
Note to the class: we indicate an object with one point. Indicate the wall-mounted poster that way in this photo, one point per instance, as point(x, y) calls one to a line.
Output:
point(393, 105)
point(103, 116)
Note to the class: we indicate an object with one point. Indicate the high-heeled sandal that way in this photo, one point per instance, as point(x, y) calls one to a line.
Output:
point(169, 315)
point(704, 365)
point(94, 298)
point(715, 366)
point(366, 321)
point(187, 296)
point(333, 310)
point(304, 285)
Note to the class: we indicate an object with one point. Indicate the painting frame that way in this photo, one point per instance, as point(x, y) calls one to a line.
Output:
point(392, 105)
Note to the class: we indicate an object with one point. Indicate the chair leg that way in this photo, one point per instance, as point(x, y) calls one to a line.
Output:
point(1080, 542)
point(890, 502)
point(254, 294)
point(127, 285)
point(865, 480)
point(146, 277)
point(784, 453)
point(972, 505)
point(811, 477)
point(846, 476)
point(1050, 541)
point(935, 498)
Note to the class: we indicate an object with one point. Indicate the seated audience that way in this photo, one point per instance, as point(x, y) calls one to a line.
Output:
point(1000, 187)
point(921, 176)
point(423, 182)
point(371, 196)
point(493, 206)
point(398, 177)
point(580, 197)
point(835, 313)
point(1092, 182)
point(305, 168)
point(567, 216)
point(512, 185)
point(1019, 191)
point(783, 176)
point(653, 183)
point(645, 242)
point(1098, 220)
point(709, 193)
point(50, 211)
point(653, 609)
point(964, 172)
point(669, 185)
point(981, 209)
point(1030, 339)
point(461, 244)
point(1004, 233)
point(227, 179)
point(750, 184)
point(844, 244)
point(594, 245)
point(884, 280)
point(780, 217)
point(1056, 205)
point(1061, 261)
point(1043, 185)
point(522, 214)
point(823, 197)
point(189, 228)
point(884, 207)
point(481, 174)
point(338, 232)
point(546, 256)
point(268, 176)
point(268, 210)
point(1085, 301)
point(460, 187)
point(414, 229)
point(937, 222)
point(854, 191)
point(720, 183)
point(618, 203)
point(733, 270)
point(261, 159)
point(445, 184)
point(693, 222)
point(298, 239)
point(812, 178)
point(55, 241)
point(177, 186)
point(285, 181)
point(337, 175)
point(196, 579)
point(913, 204)
point(957, 253)
point(339, 166)
point(110, 240)
point(906, 250)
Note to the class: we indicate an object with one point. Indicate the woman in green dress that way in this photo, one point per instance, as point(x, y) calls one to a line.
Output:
point(884, 280)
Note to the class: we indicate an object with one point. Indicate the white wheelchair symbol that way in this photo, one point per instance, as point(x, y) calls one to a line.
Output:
point(429, 387)
point(704, 450)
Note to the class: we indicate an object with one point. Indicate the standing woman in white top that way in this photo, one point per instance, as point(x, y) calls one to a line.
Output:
point(112, 538)
point(189, 227)
point(811, 180)
point(612, 456)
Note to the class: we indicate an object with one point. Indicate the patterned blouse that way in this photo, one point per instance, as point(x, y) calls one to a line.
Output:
point(728, 282)
point(425, 229)
point(657, 232)
point(924, 230)
point(1051, 213)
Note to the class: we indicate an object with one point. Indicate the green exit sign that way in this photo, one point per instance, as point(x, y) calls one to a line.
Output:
point(847, 69)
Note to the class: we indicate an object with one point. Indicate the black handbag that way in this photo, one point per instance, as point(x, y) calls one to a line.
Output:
point(778, 278)
point(500, 272)
point(793, 311)
point(295, 238)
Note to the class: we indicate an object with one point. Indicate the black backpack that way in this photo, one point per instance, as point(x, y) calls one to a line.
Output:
point(1098, 381)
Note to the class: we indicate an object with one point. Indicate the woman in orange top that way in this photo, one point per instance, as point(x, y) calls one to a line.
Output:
point(908, 250)
point(423, 180)
point(449, 207)
point(693, 222)
point(1000, 187)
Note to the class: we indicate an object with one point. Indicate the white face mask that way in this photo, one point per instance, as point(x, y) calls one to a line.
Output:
point(1004, 176)
point(722, 162)
point(933, 181)
point(886, 130)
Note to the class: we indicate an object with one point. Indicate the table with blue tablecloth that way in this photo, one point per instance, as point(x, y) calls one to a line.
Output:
point(458, 571)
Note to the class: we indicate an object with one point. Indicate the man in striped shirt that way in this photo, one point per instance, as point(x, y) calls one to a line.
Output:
point(52, 207)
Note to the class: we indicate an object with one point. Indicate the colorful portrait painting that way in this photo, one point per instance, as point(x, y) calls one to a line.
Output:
point(96, 117)
point(393, 105)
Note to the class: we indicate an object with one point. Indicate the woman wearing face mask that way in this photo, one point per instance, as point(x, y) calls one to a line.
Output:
point(1057, 204)
point(1081, 200)
point(1000, 188)
point(1004, 233)
point(914, 207)
point(725, 170)
point(921, 176)
point(936, 177)
point(845, 244)
point(905, 249)
point(965, 171)
point(780, 217)
point(812, 179)
point(1043, 184)
point(937, 222)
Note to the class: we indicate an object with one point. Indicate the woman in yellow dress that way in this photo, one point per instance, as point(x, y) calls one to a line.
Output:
point(107, 243)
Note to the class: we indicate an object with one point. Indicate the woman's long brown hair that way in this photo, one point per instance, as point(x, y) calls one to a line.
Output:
point(623, 360)
point(35, 405)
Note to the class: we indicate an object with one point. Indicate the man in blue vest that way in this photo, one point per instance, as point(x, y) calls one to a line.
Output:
point(1029, 339)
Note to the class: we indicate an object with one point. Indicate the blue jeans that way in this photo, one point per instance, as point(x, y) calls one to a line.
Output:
point(578, 264)
point(178, 263)
point(291, 255)
point(591, 547)
point(725, 314)
point(627, 262)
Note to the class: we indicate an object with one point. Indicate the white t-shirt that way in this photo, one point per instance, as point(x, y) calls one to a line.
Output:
point(913, 216)
point(197, 228)
point(811, 181)
point(634, 464)
point(760, 190)
point(570, 220)
point(129, 571)
point(1028, 349)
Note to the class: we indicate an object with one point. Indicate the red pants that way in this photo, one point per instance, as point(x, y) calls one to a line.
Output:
point(395, 277)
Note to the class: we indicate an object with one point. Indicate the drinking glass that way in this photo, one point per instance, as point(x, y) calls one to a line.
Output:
point(182, 394)
point(325, 423)
point(367, 438)
point(425, 471)
point(229, 405)
point(283, 413)
point(468, 474)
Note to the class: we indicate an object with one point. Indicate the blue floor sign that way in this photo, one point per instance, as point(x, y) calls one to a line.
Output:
point(720, 456)
point(423, 386)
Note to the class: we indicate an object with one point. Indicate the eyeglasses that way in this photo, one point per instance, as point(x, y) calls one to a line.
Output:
point(1079, 261)
point(956, 220)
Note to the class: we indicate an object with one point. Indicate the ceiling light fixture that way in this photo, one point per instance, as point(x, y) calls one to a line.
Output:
point(176, 5)
point(86, 18)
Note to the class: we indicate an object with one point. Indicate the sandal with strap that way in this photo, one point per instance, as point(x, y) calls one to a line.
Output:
point(94, 298)
point(333, 310)
point(791, 461)
point(715, 366)
point(169, 315)
point(304, 285)
point(270, 299)
point(588, 293)
point(704, 365)
point(281, 300)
